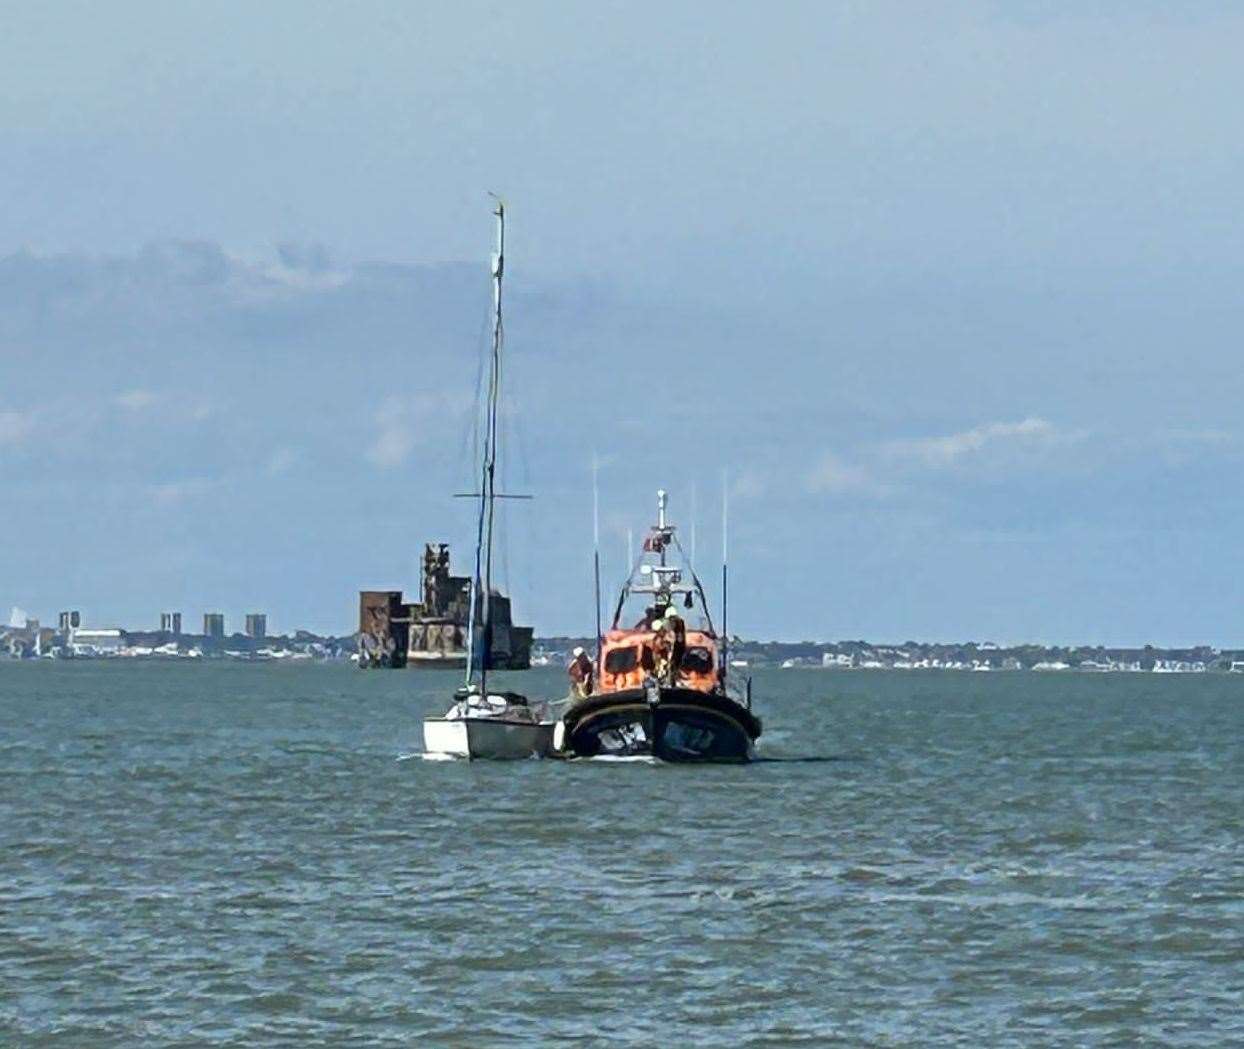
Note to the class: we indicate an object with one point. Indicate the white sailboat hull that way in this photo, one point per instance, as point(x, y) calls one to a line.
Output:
point(494, 739)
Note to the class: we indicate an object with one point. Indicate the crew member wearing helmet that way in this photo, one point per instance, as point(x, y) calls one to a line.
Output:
point(661, 648)
point(677, 627)
point(581, 672)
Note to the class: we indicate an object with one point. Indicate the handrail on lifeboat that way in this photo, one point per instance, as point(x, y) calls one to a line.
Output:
point(699, 587)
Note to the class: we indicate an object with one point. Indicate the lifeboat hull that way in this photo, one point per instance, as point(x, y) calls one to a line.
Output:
point(671, 724)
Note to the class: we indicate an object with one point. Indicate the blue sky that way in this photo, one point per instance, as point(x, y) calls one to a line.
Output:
point(951, 291)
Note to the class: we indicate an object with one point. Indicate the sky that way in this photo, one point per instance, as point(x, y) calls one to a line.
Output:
point(946, 294)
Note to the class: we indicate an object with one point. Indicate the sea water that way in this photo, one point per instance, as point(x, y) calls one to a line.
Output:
point(219, 854)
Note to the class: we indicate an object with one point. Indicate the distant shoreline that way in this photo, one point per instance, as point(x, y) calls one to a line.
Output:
point(966, 656)
point(32, 641)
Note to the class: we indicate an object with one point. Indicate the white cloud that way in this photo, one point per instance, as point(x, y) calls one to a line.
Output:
point(747, 484)
point(175, 492)
point(881, 470)
point(951, 448)
point(835, 475)
point(281, 460)
point(402, 423)
point(1210, 437)
point(395, 435)
point(135, 400)
point(15, 427)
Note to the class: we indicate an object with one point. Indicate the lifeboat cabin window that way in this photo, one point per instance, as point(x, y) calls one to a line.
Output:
point(621, 660)
point(697, 660)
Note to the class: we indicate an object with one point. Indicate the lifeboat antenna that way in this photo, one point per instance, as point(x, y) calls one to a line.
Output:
point(725, 591)
point(662, 503)
point(596, 557)
point(694, 502)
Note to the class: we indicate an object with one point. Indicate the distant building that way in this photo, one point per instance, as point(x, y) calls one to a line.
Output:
point(170, 623)
point(25, 642)
point(214, 625)
point(69, 621)
point(97, 642)
point(256, 625)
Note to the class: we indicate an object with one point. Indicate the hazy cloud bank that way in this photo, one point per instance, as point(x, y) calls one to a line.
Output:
point(286, 430)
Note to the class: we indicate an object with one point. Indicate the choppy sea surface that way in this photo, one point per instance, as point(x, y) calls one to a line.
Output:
point(239, 855)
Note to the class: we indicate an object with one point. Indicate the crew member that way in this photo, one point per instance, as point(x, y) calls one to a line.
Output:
point(581, 672)
point(677, 626)
point(661, 652)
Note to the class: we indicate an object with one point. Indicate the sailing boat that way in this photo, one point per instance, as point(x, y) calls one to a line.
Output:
point(661, 685)
point(482, 723)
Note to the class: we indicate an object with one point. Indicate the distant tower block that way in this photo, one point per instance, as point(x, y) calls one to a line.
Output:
point(170, 623)
point(256, 625)
point(69, 621)
point(214, 624)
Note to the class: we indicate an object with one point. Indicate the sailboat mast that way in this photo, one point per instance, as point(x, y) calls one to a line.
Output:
point(489, 491)
point(479, 634)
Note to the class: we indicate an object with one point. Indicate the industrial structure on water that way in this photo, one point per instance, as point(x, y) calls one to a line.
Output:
point(433, 632)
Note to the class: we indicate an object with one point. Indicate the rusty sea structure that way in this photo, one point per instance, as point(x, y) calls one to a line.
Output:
point(433, 632)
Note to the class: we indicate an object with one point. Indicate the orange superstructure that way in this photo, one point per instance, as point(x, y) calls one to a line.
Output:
point(659, 686)
point(630, 656)
point(673, 644)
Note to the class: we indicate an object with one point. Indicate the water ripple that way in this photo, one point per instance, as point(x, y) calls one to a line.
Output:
point(239, 855)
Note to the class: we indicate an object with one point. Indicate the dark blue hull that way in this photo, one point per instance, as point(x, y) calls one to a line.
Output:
point(669, 723)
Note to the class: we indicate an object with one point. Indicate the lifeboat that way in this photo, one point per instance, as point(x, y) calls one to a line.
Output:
point(659, 687)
